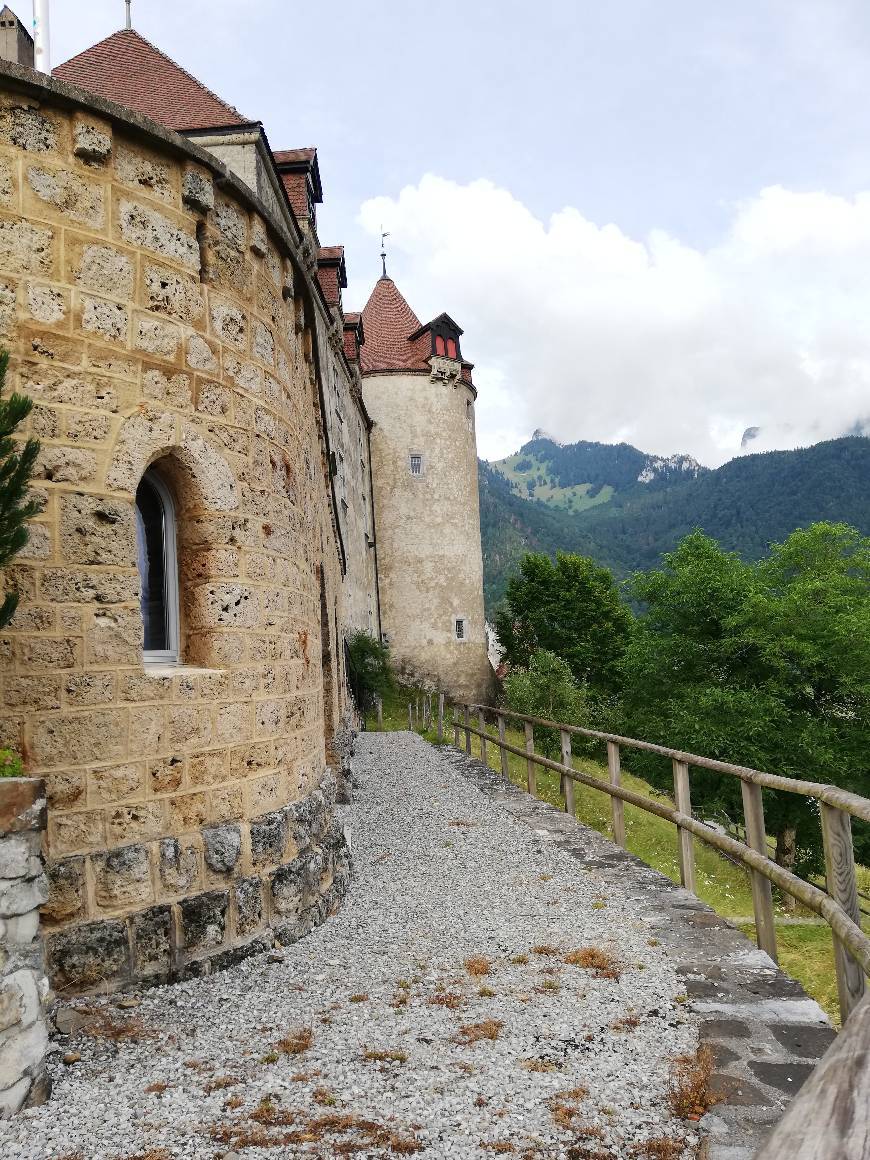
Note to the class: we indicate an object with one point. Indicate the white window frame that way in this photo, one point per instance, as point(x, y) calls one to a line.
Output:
point(463, 620)
point(170, 655)
point(412, 455)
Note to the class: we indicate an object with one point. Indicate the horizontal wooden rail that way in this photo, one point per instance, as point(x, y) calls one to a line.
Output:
point(852, 803)
point(839, 908)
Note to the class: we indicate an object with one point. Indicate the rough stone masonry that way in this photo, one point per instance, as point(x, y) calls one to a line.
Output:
point(161, 319)
point(23, 985)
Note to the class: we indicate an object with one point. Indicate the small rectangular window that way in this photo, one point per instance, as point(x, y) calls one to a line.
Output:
point(460, 628)
point(416, 464)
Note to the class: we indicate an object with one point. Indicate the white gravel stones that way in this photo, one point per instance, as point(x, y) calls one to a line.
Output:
point(441, 874)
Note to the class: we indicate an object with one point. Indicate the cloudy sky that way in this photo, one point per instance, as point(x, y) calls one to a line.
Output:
point(652, 217)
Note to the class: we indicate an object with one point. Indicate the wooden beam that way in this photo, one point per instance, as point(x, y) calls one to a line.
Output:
point(843, 888)
point(685, 842)
point(567, 782)
point(762, 897)
point(617, 809)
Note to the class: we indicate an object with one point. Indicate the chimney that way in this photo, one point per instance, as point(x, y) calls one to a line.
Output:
point(16, 43)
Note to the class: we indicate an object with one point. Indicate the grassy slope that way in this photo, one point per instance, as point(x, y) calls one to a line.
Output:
point(806, 952)
point(576, 498)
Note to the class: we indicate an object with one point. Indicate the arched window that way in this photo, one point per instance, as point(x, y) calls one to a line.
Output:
point(439, 344)
point(158, 569)
point(451, 348)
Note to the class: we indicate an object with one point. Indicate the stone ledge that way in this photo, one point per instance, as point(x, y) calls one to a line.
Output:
point(766, 1033)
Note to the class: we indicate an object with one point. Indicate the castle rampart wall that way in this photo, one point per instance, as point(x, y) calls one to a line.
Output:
point(161, 317)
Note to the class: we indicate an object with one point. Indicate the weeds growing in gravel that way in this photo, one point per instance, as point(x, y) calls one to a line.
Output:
point(545, 949)
point(690, 1095)
point(157, 1088)
point(357, 1134)
point(626, 1023)
point(475, 1032)
point(106, 1026)
point(565, 1106)
point(220, 1083)
point(452, 1000)
point(594, 959)
point(661, 1148)
point(486, 993)
point(296, 1042)
point(478, 965)
point(520, 960)
point(540, 1065)
point(499, 1146)
point(361, 998)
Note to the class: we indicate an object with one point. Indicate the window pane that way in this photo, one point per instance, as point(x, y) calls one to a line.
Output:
point(451, 348)
point(460, 629)
point(439, 344)
point(152, 566)
point(416, 464)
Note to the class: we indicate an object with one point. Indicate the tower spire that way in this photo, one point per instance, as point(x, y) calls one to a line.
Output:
point(384, 237)
point(129, 23)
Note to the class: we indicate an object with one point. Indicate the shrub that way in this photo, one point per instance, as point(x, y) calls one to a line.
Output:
point(370, 674)
point(11, 764)
point(546, 689)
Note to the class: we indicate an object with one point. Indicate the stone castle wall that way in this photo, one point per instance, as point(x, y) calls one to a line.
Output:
point(428, 530)
point(160, 317)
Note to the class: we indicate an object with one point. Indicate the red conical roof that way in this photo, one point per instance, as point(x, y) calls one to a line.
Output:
point(128, 69)
point(389, 322)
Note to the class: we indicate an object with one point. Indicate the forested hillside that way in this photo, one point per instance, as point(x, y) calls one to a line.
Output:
point(745, 505)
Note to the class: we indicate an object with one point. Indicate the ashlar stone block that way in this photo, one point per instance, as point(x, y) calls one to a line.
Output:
point(71, 197)
point(222, 847)
point(204, 919)
point(89, 955)
point(122, 876)
point(25, 248)
point(97, 530)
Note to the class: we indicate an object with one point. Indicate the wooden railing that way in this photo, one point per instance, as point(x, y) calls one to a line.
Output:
point(838, 906)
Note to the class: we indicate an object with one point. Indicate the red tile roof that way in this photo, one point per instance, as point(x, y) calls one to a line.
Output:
point(293, 156)
point(128, 69)
point(388, 322)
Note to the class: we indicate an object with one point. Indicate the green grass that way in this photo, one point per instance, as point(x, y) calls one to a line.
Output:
point(575, 498)
point(805, 952)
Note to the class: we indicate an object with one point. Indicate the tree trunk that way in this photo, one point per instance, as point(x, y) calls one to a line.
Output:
point(786, 850)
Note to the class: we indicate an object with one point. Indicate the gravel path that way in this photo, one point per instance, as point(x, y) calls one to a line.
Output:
point(353, 1041)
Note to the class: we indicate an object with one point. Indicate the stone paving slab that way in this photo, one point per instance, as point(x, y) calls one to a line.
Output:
point(766, 1033)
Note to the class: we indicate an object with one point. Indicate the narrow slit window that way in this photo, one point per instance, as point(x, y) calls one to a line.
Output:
point(459, 624)
point(416, 464)
point(158, 569)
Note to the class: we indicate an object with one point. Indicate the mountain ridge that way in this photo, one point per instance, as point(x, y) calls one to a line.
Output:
point(746, 504)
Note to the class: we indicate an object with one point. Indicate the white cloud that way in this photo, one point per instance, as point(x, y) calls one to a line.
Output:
point(592, 334)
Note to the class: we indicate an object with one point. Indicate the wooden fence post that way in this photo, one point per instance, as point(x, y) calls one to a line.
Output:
point(842, 887)
point(683, 801)
point(467, 731)
point(417, 710)
point(531, 770)
point(410, 717)
point(762, 898)
point(380, 712)
point(567, 782)
point(505, 768)
point(440, 716)
point(455, 726)
point(481, 723)
point(617, 805)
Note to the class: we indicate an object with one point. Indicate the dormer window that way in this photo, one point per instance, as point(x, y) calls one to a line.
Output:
point(440, 347)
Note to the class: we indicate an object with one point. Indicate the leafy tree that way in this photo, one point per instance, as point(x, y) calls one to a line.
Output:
point(570, 607)
point(547, 689)
point(16, 468)
point(369, 665)
point(764, 664)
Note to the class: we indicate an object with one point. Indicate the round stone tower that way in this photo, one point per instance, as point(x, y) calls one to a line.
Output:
point(419, 393)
